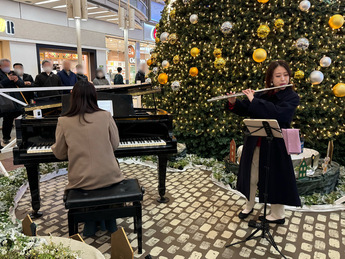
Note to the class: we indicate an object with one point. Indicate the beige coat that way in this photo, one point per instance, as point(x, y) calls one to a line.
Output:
point(89, 148)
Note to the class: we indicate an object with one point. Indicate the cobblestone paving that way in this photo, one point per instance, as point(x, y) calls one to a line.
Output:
point(198, 221)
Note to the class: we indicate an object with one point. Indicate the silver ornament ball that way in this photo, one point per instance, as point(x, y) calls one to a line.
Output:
point(155, 70)
point(165, 64)
point(226, 27)
point(193, 18)
point(316, 77)
point(304, 5)
point(148, 80)
point(175, 86)
point(302, 43)
point(164, 37)
point(325, 61)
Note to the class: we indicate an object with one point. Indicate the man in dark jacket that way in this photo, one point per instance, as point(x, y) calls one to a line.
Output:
point(140, 76)
point(67, 77)
point(46, 79)
point(118, 79)
point(80, 73)
point(8, 79)
point(28, 80)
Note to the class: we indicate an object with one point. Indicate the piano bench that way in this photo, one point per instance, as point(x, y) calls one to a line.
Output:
point(117, 201)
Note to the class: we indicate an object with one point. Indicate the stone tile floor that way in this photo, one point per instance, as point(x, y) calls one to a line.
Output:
point(198, 221)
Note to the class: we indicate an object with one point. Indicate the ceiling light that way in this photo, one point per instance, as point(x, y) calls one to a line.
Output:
point(98, 12)
point(104, 16)
point(92, 7)
point(60, 6)
point(47, 2)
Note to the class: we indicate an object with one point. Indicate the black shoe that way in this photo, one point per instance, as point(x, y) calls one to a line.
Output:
point(277, 221)
point(245, 215)
point(35, 214)
point(6, 141)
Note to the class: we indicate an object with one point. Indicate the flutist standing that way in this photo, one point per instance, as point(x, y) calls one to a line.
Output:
point(279, 104)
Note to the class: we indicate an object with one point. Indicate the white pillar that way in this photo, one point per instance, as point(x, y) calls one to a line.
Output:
point(125, 35)
point(79, 50)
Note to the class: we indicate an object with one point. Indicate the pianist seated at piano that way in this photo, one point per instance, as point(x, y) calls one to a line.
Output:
point(87, 136)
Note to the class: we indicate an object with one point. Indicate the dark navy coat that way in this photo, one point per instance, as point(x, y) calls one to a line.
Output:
point(282, 187)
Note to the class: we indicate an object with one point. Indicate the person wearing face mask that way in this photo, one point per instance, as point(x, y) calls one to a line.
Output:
point(46, 79)
point(80, 73)
point(8, 79)
point(28, 80)
point(67, 77)
point(100, 78)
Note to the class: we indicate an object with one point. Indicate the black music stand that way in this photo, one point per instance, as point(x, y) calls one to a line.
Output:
point(268, 129)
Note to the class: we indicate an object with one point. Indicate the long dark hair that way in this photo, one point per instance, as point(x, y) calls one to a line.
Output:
point(270, 70)
point(83, 100)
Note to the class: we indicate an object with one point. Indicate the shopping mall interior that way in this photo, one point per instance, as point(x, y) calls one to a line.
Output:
point(172, 129)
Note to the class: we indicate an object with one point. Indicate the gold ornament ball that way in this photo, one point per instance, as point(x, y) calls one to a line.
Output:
point(172, 38)
point(259, 55)
point(263, 31)
point(172, 14)
point(157, 26)
point(193, 71)
point(195, 52)
point(336, 21)
point(279, 23)
point(219, 63)
point(157, 40)
point(176, 59)
point(263, 1)
point(217, 52)
point(339, 90)
point(299, 74)
point(149, 62)
point(163, 78)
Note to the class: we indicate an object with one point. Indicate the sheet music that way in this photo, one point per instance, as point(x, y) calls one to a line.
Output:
point(106, 105)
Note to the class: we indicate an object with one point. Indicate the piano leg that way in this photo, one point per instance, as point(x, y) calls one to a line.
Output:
point(162, 170)
point(34, 184)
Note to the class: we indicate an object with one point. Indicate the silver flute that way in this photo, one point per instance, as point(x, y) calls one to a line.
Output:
point(222, 97)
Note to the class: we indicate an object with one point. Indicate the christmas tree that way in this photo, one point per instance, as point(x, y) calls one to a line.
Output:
point(206, 48)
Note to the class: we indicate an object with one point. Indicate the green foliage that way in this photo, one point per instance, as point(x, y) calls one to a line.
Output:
point(207, 128)
point(14, 244)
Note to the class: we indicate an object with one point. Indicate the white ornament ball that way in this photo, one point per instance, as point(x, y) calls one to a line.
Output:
point(304, 5)
point(185, 1)
point(175, 86)
point(302, 43)
point(155, 70)
point(316, 77)
point(325, 61)
point(226, 27)
point(148, 80)
point(165, 64)
point(164, 37)
point(193, 18)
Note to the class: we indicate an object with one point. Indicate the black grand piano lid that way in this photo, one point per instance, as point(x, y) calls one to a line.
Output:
point(122, 103)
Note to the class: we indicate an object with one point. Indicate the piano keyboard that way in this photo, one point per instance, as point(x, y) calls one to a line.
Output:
point(41, 148)
point(142, 142)
point(124, 143)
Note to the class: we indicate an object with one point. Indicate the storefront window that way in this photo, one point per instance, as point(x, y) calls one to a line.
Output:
point(58, 56)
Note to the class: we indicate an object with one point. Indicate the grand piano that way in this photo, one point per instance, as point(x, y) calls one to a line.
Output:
point(142, 132)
